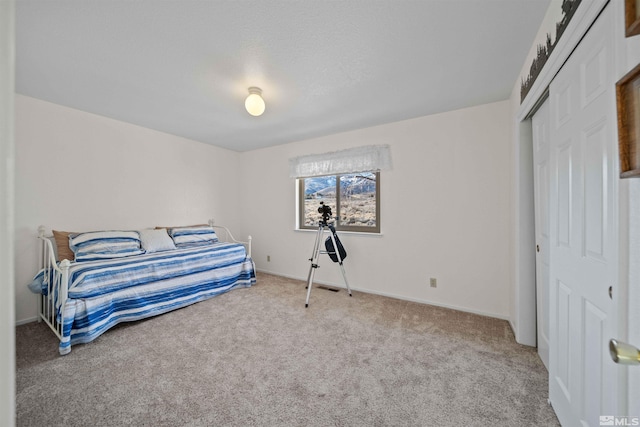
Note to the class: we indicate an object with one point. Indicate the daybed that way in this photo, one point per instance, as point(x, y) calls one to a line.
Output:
point(120, 276)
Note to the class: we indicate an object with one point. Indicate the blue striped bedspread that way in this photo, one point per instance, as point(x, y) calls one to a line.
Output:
point(104, 293)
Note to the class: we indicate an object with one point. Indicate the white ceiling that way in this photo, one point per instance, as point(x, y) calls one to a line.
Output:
point(184, 66)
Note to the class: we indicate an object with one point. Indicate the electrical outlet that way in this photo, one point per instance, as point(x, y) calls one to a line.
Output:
point(433, 282)
point(268, 258)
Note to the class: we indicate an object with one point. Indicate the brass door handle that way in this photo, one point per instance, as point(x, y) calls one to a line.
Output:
point(623, 353)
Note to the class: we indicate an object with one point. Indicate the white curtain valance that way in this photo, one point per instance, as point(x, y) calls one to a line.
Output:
point(351, 160)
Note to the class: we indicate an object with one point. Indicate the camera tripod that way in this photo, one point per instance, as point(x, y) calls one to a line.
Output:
point(316, 254)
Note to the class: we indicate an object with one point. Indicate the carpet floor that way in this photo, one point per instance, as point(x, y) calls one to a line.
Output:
point(257, 357)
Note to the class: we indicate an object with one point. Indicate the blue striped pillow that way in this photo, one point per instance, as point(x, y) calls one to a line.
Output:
point(105, 244)
point(189, 237)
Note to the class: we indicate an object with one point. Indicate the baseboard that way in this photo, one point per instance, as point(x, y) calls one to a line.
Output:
point(25, 321)
point(391, 295)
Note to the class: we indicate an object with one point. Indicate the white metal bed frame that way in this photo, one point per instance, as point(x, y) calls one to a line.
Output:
point(57, 274)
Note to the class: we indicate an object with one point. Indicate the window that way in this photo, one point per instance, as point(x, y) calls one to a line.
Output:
point(354, 200)
point(347, 181)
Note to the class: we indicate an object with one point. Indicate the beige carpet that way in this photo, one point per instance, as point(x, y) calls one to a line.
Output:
point(257, 357)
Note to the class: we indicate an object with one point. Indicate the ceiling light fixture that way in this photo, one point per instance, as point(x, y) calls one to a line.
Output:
point(254, 102)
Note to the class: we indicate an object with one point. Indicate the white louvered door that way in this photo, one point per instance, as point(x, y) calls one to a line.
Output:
point(583, 239)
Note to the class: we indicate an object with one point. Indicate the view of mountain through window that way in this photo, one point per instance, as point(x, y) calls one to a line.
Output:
point(353, 199)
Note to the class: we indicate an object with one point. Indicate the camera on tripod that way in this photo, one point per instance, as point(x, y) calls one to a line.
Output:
point(325, 211)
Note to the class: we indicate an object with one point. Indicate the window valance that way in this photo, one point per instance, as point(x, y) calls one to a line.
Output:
point(352, 160)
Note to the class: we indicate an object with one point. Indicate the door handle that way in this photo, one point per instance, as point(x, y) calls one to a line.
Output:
point(623, 353)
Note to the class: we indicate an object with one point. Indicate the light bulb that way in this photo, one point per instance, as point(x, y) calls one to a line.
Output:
point(254, 103)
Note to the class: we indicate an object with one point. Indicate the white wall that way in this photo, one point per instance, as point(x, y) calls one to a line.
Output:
point(7, 157)
point(445, 204)
point(77, 171)
point(444, 214)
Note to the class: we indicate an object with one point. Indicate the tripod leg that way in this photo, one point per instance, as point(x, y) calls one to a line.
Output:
point(313, 260)
point(309, 276)
point(344, 276)
point(337, 253)
point(306, 304)
point(314, 264)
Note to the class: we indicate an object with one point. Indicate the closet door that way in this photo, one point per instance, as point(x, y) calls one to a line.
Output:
point(584, 240)
point(540, 127)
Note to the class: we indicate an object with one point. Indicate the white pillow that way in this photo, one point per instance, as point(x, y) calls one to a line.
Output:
point(156, 240)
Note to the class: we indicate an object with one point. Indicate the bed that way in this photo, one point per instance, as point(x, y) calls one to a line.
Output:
point(121, 276)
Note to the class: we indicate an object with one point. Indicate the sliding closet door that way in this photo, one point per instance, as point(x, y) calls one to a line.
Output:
point(540, 127)
point(583, 246)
